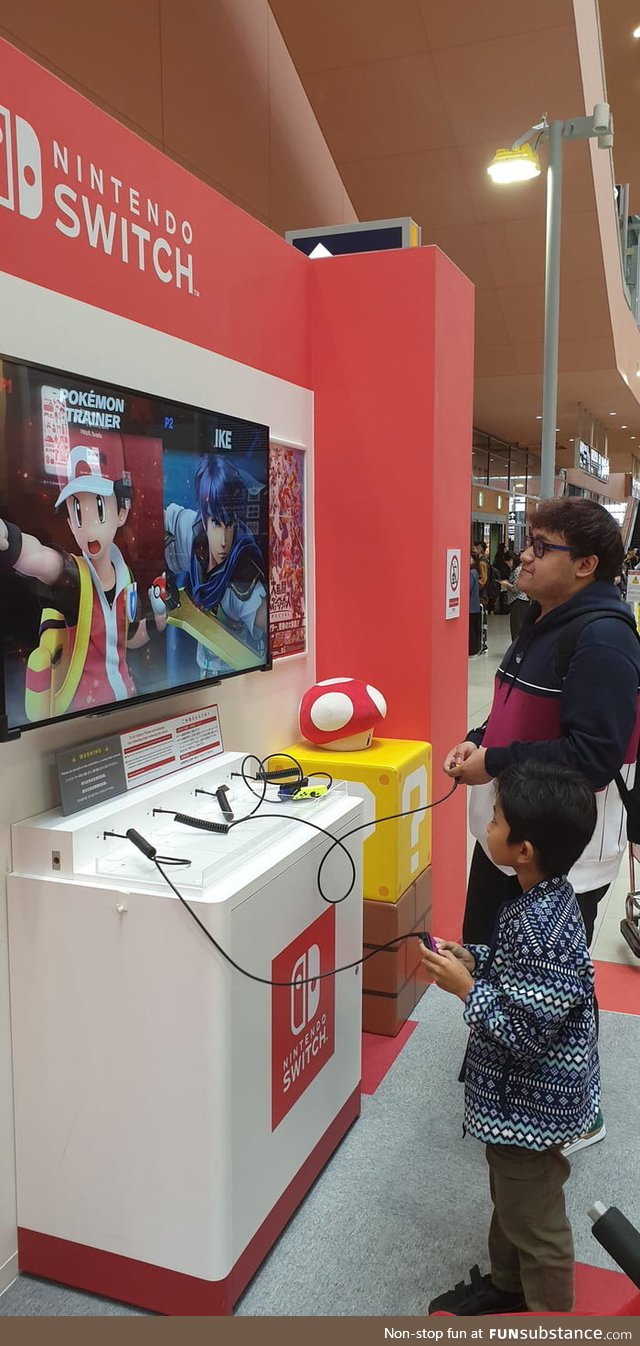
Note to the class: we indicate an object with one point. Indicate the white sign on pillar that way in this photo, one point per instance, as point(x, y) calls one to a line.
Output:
point(633, 586)
point(452, 606)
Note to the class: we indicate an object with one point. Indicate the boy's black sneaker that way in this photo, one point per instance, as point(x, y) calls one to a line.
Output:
point(478, 1297)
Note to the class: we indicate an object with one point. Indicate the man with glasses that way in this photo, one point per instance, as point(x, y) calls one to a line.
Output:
point(586, 720)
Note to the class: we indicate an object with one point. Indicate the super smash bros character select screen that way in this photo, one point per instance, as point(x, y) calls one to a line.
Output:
point(133, 545)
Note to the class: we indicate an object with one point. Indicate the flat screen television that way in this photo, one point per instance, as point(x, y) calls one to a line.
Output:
point(133, 546)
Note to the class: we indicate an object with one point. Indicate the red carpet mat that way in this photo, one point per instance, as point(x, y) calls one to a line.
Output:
point(379, 1054)
point(618, 987)
point(601, 1292)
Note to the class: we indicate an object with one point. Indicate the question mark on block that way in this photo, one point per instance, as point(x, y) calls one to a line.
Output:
point(416, 781)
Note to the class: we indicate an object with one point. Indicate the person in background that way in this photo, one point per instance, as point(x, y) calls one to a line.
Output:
point(475, 610)
point(531, 1071)
point(484, 575)
point(518, 602)
point(502, 566)
point(484, 572)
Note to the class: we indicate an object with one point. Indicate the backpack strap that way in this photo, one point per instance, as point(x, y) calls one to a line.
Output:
point(569, 637)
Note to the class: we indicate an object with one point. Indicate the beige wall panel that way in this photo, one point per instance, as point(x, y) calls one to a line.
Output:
point(447, 27)
point(111, 52)
point(337, 33)
point(305, 186)
point(528, 71)
point(216, 96)
point(463, 244)
point(384, 107)
point(427, 186)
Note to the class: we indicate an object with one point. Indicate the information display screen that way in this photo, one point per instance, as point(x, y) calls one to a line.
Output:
point(133, 546)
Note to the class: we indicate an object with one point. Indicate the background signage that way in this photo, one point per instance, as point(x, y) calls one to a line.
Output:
point(367, 236)
point(454, 586)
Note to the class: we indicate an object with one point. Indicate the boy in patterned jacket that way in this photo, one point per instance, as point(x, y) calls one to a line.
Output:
point(531, 1071)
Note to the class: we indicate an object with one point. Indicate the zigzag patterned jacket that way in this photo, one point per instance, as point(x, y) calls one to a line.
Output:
point(532, 1076)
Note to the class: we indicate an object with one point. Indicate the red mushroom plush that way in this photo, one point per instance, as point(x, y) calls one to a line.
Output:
point(340, 713)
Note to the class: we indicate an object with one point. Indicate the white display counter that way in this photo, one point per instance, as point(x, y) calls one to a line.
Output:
point(170, 1113)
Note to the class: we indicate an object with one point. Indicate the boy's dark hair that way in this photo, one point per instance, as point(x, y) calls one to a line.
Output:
point(552, 807)
point(588, 529)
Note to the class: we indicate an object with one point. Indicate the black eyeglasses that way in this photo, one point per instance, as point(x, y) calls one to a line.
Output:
point(539, 545)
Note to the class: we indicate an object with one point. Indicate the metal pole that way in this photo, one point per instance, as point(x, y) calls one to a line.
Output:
point(551, 313)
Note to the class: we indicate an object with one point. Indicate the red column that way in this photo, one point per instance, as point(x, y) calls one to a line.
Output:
point(392, 371)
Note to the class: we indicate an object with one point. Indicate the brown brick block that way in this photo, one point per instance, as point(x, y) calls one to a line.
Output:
point(413, 948)
point(387, 970)
point(422, 886)
point(383, 921)
point(385, 1014)
point(391, 981)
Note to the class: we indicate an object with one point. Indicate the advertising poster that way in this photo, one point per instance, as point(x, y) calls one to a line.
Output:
point(287, 574)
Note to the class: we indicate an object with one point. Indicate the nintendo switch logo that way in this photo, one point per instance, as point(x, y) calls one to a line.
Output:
point(302, 1013)
point(305, 991)
point(20, 166)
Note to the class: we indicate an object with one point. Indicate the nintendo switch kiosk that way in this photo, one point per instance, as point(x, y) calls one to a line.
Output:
point(170, 1113)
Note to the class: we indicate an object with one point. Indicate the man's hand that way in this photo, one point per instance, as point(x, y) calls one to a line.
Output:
point(473, 770)
point(447, 972)
point(4, 536)
point(457, 756)
point(466, 764)
point(458, 950)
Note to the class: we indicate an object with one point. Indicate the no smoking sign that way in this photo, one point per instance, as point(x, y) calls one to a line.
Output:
point(452, 606)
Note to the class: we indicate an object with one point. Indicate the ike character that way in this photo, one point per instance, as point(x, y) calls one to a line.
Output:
point(80, 662)
point(214, 557)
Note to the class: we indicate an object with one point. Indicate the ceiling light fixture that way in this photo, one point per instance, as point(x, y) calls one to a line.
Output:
point(624, 427)
point(514, 165)
point(636, 32)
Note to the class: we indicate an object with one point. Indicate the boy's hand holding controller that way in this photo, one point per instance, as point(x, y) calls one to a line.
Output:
point(450, 968)
point(458, 951)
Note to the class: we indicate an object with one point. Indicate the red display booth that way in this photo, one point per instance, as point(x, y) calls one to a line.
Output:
point(121, 266)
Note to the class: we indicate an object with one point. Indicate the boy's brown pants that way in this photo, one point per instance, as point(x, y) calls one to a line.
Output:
point(530, 1240)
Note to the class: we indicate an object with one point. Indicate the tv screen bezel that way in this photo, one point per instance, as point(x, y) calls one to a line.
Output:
point(7, 733)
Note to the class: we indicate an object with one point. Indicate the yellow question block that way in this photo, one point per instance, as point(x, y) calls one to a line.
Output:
point(394, 775)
